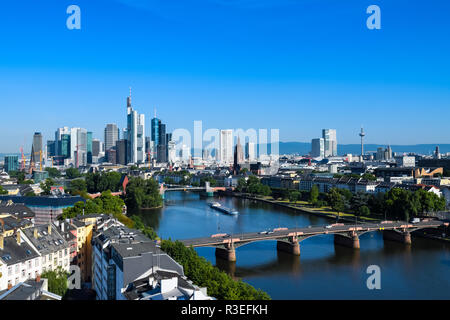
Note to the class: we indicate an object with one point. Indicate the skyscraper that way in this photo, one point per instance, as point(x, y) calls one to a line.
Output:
point(226, 147)
point(78, 146)
point(11, 163)
point(238, 157)
point(111, 135)
point(318, 148)
point(36, 148)
point(136, 134)
point(250, 151)
point(89, 148)
point(330, 142)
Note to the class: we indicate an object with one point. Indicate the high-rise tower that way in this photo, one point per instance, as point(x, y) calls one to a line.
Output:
point(362, 135)
point(135, 134)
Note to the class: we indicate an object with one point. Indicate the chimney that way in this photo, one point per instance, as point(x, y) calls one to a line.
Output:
point(49, 228)
point(35, 234)
point(9, 285)
point(1, 241)
point(18, 237)
point(38, 278)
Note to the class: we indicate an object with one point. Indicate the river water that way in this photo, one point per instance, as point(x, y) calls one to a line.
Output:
point(323, 270)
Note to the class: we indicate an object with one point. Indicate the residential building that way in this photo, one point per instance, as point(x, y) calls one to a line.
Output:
point(33, 289)
point(165, 285)
point(19, 261)
point(54, 251)
point(122, 256)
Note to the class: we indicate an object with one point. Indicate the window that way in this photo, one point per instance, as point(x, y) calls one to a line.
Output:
point(43, 259)
point(29, 264)
point(16, 281)
point(36, 262)
point(23, 273)
point(9, 271)
point(60, 254)
point(17, 268)
point(55, 261)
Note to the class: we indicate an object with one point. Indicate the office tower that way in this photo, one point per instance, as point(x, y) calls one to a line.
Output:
point(135, 134)
point(51, 148)
point(389, 153)
point(11, 163)
point(250, 151)
point(162, 146)
point(96, 147)
point(111, 155)
point(36, 148)
point(171, 152)
point(318, 148)
point(78, 146)
point(111, 135)
point(89, 148)
point(121, 151)
point(380, 154)
point(226, 147)
point(58, 138)
point(330, 141)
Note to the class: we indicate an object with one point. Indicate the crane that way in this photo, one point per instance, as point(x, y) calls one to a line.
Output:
point(22, 166)
point(40, 161)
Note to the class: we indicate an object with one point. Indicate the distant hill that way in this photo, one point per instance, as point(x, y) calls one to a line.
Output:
point(304, 148)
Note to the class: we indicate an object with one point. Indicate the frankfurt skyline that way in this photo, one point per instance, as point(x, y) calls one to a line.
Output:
point(292, 72)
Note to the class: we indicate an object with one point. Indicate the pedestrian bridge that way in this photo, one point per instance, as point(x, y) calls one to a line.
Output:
point(288, 240)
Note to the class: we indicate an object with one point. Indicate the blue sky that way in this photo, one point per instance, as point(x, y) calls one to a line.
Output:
point(295, 65)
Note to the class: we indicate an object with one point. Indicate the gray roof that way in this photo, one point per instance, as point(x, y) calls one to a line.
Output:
point(13, 253)
point(18, 210)
point(28, 290)
point(46, 243)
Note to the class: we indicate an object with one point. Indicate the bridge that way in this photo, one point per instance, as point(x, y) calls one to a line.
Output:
point(288, 240)
point(207, 189)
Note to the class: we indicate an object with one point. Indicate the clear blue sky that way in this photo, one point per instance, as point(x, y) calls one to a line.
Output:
point(295, 65)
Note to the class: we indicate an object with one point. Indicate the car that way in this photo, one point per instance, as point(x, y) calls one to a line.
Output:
point(329, 226)
point(415, 220)
point(263, 232)
point(269, 232)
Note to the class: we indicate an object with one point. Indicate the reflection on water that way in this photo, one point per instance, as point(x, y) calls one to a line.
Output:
point(323, 270)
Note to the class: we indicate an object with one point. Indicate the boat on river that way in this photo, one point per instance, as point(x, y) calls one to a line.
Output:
point(217, 206)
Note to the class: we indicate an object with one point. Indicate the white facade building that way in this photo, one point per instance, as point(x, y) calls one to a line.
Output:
point(226, 147)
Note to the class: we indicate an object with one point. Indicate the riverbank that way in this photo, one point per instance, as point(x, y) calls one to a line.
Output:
point(300, 206)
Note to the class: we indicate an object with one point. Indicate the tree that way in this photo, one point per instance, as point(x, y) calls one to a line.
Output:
point(77, 186)
point(369, 177)
point(53, 172)
point(241, 185)
point(72, 173)
point(336, 201)
point(57, 281)
point(294, 196)
point(47, 185)
point(3, 191)
point(314, 195)
point(142, 193)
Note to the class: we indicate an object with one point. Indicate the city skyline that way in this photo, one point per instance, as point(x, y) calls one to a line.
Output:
point(246, 71)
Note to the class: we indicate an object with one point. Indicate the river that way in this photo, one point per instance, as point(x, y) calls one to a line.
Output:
point(323, 270)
